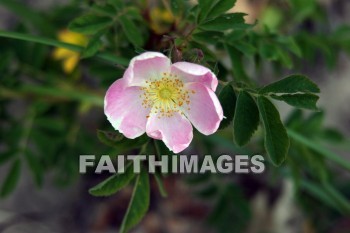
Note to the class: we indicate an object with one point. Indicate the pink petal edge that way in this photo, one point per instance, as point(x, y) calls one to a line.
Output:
point(175, 131)
point(190, 72)
point(120, 105)
point(205, 111)
point(148, 66)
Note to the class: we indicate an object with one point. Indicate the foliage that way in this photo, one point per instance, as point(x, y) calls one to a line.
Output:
point(54, 126)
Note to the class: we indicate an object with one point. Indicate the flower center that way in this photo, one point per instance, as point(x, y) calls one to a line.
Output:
point(165, 93)
point(165, 96)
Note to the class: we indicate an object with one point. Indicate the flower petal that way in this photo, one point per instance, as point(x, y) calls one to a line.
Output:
point(147, 66)
point(204, 110)
point(70, 63)
point(175, 131)
point(61, 53)
point(124, 109)
point(190, 72)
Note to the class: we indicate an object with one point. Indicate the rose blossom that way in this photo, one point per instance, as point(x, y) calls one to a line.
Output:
point(163, 99)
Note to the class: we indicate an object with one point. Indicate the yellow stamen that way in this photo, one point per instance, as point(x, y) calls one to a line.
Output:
point(165, 96)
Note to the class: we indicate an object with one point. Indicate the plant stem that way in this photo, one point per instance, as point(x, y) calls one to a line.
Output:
point(48, 92)
point(319, 148)
point(52, 42)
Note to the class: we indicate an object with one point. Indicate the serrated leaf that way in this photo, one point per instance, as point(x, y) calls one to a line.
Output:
point(246, 119)
point(276, 138)
point(221, 7)
point(11, 179)
point(90, 24)
point(291, 84)
point(226, 22)
point(227, 98)
point(138, 204)
point(307, 101)
point(118, 141)
point(113, 184)
point(92, 47)
point(131, 31)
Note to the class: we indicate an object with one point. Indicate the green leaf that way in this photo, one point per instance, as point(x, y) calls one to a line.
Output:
point(210, 37)
point(234, 36)
point(268, 51)
point(138, 204)
point(12, 179)
point(318, 192)
point(61, 93)
point(332, 135)
point(328, 195)
point(238, 68)
point(290, 43)
point(245, 47)
point(118, 141)
point(107, 10)
point(117, 4)
point(313, 124)
point(226, 22)
point(246, 118)
point(134, 13)
point(113, 184)
point(176, 6)
point(291, 84)
point(205, 7)
point(227, 98)
point(307, 101)
point(320, 149)
point(284, 58)
point(338, 198)
point(90, 24)
point(92, 47)
point(159, 180)
point(221, 7)
point(131, 31)
point(295, 119)
point(276, 138)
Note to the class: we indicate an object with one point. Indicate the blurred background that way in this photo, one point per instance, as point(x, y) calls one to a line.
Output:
point(51, 107)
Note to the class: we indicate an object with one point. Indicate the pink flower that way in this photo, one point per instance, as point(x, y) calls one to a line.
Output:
point(161, 99)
